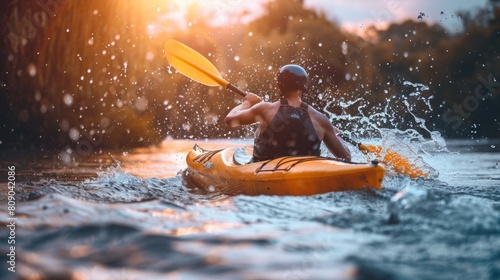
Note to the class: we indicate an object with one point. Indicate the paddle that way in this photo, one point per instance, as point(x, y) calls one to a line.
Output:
point(400, 163)
point(195, 66)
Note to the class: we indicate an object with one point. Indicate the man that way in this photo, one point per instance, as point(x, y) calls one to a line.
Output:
point(288, 127)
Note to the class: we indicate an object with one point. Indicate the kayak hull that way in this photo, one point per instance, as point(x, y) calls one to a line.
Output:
point(294, 176)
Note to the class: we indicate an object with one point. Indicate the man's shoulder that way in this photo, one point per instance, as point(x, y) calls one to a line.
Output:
point(266, 111)
point(266, 105)
point(316, 114)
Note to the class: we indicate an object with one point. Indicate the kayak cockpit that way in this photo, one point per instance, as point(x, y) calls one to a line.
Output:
point(241, 156)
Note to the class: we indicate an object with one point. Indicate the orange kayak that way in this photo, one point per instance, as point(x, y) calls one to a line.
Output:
point(220, 171)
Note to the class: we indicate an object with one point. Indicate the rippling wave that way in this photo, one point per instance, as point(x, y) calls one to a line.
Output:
point(118, 225)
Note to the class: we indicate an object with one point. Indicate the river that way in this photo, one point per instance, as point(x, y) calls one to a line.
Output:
point(130, 215)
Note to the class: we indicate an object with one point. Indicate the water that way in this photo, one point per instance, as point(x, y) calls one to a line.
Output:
point(131, 216)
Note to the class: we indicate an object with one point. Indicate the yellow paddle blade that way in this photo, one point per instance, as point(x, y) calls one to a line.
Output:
point(400, 163)
point(192, 64)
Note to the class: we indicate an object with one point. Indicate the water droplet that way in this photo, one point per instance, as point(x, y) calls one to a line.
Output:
point(141, 104)
point(38, 95)
point(68, 99)
point(74, 134)
point(64, 125)
point(32, 70)
point(65, 156)
point(105, 123)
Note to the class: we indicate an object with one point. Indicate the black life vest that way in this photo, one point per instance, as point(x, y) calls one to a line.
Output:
point(290, 133)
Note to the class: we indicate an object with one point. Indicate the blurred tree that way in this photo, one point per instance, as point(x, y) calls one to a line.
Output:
point(288, 32)
point(406, 51)
point(468, 81)
point(78, 73)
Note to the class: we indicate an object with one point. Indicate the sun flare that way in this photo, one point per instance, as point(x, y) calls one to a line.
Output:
point(218, 12)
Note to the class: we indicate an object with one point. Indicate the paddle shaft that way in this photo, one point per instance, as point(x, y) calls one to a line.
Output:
point(236, 90)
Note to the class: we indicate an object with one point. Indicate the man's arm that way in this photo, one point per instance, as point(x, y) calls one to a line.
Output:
point(245, 113)
point(334, 143)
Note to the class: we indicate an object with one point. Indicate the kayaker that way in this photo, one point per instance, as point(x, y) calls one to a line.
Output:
point(288, 127)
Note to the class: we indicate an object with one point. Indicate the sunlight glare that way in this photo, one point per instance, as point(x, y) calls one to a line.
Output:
point(218, 12)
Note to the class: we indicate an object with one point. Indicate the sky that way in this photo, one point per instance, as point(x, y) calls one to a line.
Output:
point(359, 14)
point(354, 15)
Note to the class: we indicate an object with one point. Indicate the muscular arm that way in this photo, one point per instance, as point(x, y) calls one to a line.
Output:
point(334, 143)
point(245, 113)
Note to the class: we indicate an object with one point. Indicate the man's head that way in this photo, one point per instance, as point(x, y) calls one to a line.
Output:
point(292, 77)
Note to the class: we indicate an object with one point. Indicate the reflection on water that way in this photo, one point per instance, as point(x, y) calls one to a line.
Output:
point(161, 161)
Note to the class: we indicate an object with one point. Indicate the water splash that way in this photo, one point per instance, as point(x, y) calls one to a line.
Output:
point(398, 123)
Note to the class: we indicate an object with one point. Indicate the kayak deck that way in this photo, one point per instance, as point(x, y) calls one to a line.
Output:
point(305, 175)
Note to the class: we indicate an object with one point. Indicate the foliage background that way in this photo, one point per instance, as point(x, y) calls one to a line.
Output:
point(73, 71)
